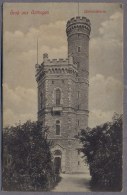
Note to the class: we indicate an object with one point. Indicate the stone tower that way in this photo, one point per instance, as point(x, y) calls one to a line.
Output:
point(78, 32)
point(63, 96)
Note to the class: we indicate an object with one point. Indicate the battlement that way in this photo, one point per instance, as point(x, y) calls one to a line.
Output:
point(78, 25)
point(78, 19)
point(59, 61)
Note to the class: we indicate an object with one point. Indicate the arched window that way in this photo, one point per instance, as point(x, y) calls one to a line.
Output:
point(58, 97)
point(57, 127)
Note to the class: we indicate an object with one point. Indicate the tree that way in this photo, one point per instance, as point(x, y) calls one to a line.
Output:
point(30, 165)
point(102, 147)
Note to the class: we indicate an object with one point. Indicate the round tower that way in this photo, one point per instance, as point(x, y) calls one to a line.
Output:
point(78, 32)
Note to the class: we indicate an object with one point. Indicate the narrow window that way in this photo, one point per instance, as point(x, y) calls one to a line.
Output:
point(78, 163)
point(52, 82)
point(78, 152)
point(57, 127)
point(58, 97)
point(78, 107)
point(79, 49)
point(78, 35)
point(78, 122)
point(78, 94)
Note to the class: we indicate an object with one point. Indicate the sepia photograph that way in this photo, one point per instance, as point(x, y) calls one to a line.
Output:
point(62, 84)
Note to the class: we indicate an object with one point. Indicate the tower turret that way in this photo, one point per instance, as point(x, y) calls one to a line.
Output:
point(78, 32)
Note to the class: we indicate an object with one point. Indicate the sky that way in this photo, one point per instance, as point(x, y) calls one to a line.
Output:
point(20, 32)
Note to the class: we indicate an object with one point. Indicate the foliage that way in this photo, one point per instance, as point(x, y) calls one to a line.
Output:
point(27, 160)
point(102, 147)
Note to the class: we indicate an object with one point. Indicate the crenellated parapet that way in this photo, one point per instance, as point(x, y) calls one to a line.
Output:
point(78, 19)
point(54, 66)
point(60, 61)
point(80, 25)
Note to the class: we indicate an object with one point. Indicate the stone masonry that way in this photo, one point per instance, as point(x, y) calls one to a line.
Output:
point(63, 96)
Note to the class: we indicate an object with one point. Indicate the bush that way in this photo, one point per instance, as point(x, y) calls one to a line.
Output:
point(102, 147)
point(27, 160)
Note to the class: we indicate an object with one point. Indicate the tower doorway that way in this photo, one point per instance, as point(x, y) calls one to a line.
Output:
point(57, 161)
point(57, 164)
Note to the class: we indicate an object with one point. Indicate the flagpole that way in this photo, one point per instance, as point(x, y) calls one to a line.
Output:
point(78, 8)
point(37, 50)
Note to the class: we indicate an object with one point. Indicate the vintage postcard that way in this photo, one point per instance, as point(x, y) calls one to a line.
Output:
point(62, 97)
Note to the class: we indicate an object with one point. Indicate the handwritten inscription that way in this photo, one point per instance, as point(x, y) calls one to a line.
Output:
point(32, 12)
point(95, 11)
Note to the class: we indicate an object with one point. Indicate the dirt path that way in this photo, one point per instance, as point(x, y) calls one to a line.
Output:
point(73, 183)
